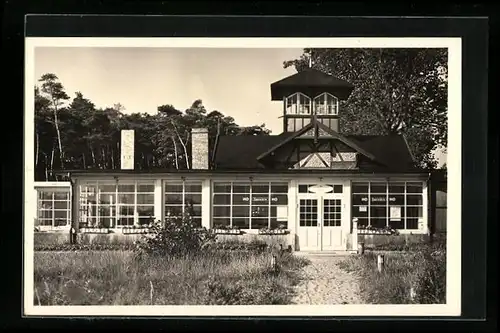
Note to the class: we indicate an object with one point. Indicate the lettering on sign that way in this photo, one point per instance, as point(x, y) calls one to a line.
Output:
point(378, 198)
point(260, 199)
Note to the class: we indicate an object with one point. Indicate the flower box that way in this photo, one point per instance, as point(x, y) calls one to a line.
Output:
point(227, 231)
point(273, 231)
point(142, 230)
point(94, 230)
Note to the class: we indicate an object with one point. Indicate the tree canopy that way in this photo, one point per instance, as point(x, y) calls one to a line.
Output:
point(75, 134)
point(397, 91)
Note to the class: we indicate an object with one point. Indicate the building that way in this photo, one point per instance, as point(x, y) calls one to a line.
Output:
point(312, 186)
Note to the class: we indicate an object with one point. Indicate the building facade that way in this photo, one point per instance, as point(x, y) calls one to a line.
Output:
point(312, 184)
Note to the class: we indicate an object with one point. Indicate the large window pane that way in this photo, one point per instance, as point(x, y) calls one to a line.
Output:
point(107, 188)
point(241, 211)
point(222, 211)
point(222, 199)
point(359, 187)
point(414, 200)
point(260, 188)
point(378, 188)
point(126, 188)
point(222, 187)
point(192, 187)
point(145, 199)
point(173, 188)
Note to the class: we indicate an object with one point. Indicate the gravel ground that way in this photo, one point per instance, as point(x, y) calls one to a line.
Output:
point(323, 282)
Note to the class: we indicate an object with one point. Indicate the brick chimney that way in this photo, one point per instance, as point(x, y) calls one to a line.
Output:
point(199, 148)
point(127, 149)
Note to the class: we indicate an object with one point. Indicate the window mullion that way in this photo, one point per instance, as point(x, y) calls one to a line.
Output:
point(269, 210)
point(231, 205)
point(387, 204)
point(250, 193)
point(405, 205)
point(53, 210)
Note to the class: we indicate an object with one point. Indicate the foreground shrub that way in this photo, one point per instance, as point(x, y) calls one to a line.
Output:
point(177, 236)
point(415, 276)
point(117, 278)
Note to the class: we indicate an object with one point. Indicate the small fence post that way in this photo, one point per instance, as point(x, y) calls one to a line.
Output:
point(380, 263)
point(355, 233)
point(273, 262)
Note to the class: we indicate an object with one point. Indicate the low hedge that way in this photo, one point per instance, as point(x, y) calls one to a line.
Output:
point(84, 247)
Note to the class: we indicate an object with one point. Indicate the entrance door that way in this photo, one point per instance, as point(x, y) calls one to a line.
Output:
point(331, 233)
point(320, 219)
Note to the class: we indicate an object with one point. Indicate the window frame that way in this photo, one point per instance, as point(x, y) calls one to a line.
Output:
point(94, 220)
point(53, 209)
point(295, 107)
point(327, 106)
point(405, 219)
point(182, 194)
point(251, 184)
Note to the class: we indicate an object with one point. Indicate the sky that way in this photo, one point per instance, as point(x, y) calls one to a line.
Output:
point(233, 81)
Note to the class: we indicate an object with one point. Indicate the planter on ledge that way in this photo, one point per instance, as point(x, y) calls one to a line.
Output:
point(94, 230)
point(227, 231)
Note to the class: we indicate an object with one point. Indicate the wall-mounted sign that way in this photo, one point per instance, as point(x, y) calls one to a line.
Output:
point(259, 199)
point(379, 199)
point(282, 213)
point(320, 189)
point(363, 209)
point(395, 213)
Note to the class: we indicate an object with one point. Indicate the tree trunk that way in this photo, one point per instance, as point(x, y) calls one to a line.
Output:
point(182, 143)
point(46, 168)
point(104, 162)
point(56, 123)
point(175, 153)
point(52, 160)
point(112, 158)
point(37, 148)
point(83, 160)
point(93, 155)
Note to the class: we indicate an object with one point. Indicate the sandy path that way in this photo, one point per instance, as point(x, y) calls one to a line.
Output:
point(323, 282)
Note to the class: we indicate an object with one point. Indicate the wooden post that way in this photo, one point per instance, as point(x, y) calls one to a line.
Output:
point(380, 263)
point(361, 248)
point(354, 233)
point(273, 262)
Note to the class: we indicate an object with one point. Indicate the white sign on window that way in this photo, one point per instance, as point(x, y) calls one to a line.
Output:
point(363, 208)
point(282, 213)
point(395, 213)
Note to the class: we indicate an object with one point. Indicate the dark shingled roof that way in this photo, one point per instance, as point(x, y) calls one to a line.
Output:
point(241, 152)
point(311, 82)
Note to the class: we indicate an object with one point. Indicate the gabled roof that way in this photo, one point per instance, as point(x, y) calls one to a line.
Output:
point(316, 124)
point(311, 81)
point(242, 152)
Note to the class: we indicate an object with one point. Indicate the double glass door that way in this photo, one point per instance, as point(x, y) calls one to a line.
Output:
point(320, 222)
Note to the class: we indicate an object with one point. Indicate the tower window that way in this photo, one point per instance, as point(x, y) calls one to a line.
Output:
point(326, 104)
point(298, 103)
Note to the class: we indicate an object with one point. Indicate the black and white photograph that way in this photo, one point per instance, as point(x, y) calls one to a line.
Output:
point(261, 176)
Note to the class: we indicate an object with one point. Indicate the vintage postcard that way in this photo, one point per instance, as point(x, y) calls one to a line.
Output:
point(243, 176)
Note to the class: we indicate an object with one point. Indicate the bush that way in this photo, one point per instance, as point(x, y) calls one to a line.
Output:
point(417, 275)
point(177, 236)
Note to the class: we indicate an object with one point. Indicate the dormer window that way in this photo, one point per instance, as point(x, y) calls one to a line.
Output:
point(326, 104)
point(298, 103)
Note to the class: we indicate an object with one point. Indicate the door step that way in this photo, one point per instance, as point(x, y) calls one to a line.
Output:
point(324, 253)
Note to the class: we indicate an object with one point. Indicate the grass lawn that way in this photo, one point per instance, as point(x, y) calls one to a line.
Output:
point(116, 278)
point(414, 276)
